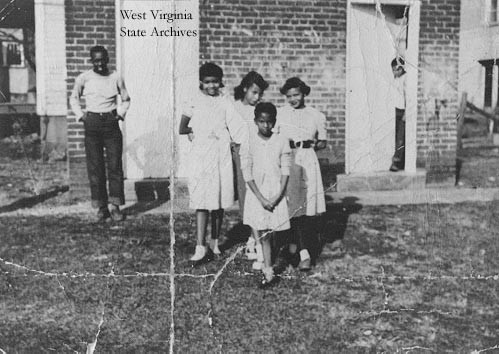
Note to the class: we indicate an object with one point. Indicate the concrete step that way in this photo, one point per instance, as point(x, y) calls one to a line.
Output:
point(381, 181)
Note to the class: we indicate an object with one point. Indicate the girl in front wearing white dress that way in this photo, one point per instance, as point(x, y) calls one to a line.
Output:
point(210, 121)
point(247, 95)
point(265, 162)
point(305, 129)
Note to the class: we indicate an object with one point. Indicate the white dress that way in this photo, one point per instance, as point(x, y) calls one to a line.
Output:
point(305, 189)
point(265, 161)
point(247, 113)
point(214, 122)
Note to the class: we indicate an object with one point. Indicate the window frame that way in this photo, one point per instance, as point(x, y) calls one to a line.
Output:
point(490, 11)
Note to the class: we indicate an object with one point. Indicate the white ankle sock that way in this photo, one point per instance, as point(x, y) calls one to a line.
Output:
point(304, 255)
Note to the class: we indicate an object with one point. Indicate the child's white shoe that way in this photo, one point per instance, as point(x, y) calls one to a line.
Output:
point(257, 265)
point(199, 253)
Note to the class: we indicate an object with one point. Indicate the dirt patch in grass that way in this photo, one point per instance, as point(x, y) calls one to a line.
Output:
point(412, 276)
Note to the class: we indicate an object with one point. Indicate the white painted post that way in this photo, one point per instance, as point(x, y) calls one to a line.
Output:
point(50, 49)
point(411, 111)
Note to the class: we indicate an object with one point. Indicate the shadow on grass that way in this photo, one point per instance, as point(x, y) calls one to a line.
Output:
point(141, 207)
point(150, 193)
point(327, 229)
point(29, 202)
point(332, 225)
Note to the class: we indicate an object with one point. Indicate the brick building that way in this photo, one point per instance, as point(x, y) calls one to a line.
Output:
point(479, 53)
point(342, 49)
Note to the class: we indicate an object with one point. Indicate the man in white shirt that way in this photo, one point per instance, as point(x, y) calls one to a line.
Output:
point(398, 70)
point(101, 88)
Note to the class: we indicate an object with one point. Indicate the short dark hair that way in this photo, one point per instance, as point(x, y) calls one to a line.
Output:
point(251, 78)
point(266, 107)
point(295, 82)
point(210, 69)
point(99, 49)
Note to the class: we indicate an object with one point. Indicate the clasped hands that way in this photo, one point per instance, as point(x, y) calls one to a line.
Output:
point(271, 203)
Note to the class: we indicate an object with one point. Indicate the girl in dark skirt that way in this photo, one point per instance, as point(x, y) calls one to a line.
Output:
point(305, 128)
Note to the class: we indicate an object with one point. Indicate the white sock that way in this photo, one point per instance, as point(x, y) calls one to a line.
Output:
point(304, 255)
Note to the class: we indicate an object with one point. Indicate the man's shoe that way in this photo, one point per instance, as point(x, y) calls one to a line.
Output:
point(394, 168)
point(117, 215)
point(103, 214)
point(305, 265)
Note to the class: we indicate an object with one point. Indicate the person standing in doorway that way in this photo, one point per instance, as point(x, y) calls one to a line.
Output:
point(398, 69)
point(103, 139)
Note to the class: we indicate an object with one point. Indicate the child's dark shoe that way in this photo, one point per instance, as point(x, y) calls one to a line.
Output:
point(269, 283)
point(269, 278)
point(294, 259)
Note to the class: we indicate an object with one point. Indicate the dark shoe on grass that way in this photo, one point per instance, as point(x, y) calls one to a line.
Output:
point(267, 284)
point(117, 215)
point(208, 257)
point(103, 214)
point(294, 259)
point(305, 265)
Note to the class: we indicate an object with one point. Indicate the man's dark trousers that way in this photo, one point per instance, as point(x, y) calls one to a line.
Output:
point(399, 156)
point(103, 134)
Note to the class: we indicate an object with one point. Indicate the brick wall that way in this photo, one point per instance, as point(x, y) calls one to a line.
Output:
point(88, 23)
point(285, 38)
point(438, 82)
point(280, 39)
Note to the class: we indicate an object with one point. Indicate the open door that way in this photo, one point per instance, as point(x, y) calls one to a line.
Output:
point(375, 35)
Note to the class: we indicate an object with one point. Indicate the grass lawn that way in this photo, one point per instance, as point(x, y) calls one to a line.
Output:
point(412, 277)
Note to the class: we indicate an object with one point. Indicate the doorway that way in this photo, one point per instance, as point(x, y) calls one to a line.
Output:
point(376, 34)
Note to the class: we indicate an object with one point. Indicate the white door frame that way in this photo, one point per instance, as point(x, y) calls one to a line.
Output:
point(50, 53)
point(412, 63)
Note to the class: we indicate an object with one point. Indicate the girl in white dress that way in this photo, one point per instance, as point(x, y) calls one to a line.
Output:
point(265, 162)
point(210, 121)
point(247, 95)
point(305, 129)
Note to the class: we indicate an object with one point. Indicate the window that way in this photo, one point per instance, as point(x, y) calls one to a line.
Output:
point(491, 12)
point(489, 88)
point(12, 54)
